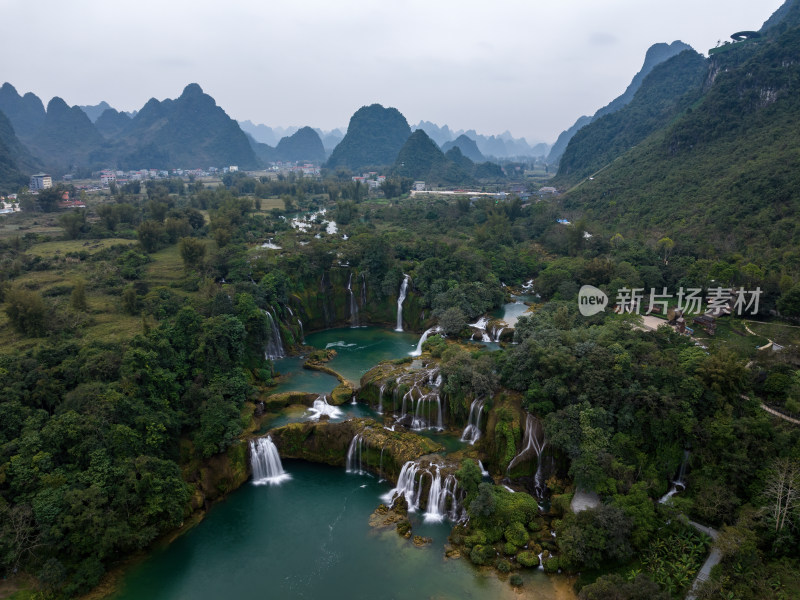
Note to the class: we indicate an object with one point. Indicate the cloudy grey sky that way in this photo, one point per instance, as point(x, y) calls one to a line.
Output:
point(527, 66)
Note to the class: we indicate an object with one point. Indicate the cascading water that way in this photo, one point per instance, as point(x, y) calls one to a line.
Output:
point(321, 407)
point(353, 304)
point(418, 351)
point(380, 398)
point(406, 487)
point(679, 484)
point(274, 348)
point(497, 332)
point(354, 452)
point(265, 462)
point(472, 432)
point(400, 299)
point(302, 333)
point(410, 485)
point(423, 407)
point(533, 442)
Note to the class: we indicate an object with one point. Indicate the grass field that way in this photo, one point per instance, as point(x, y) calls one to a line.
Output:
point(63, 247)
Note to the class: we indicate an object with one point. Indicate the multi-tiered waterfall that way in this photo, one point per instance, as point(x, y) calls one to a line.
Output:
point(275, 343)
point(266, 462)
point(400, 299)
point(424, 408)
point(472, 432)
point(410, 485)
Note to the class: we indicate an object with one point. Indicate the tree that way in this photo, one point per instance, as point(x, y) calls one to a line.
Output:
point(74, 223)
point(782, 491)
point(152, 235)
point(77, 299)
point(193, 252)
point(27, 311)
point(665, 246)
point(452, 321)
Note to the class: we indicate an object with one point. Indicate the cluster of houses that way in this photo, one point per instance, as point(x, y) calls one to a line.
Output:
point(373, 181)
point(305, 169)
point(9, 204)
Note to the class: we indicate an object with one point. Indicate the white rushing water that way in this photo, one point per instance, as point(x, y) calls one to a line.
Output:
point(472, 432)
point(400, 299)
point(321, 407)
point(275, 344)
point(266, 462)
point(679, 484)
point(270, 245)
point(410, 485)
point(534, 442)
point(354, 451)
point(353, 304)
point(418, 351)
point(422, 403)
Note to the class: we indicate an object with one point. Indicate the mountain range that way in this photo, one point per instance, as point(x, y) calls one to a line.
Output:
point(706, 152)
point(655, 55)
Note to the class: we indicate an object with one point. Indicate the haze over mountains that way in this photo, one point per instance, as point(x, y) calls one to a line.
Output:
point(192, 131)
point(706, 151)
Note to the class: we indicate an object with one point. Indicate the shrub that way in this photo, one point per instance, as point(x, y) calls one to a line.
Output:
point(516, 580)
point(480, 554)
point(502, 565)
point(516, 534)
point(528, 559)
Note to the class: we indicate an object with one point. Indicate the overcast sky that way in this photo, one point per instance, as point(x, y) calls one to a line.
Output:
point(525, 66)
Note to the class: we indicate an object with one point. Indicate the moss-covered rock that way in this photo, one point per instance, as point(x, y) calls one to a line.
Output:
point(275, 402)
point(217, 476)
point(327, 443)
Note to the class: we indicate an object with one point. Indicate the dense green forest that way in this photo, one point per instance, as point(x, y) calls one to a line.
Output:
point(134, 336)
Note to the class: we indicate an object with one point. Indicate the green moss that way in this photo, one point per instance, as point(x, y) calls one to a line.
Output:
point(527, 558)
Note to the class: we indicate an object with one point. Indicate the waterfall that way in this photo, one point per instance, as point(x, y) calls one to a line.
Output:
point(354, 452)
point(472, 432)
point(406, 486)
point(424, 407)
point(497, 332)
point(380, 465)
point(400, 299)
point(275, 344)
point(321, 407)
point(484, 472)
point(354, 400)
point(422, 414)
point(380, 399)
point(353, 303)
point(418, 351)
point(266, 463)
point(363, 291)
point(432, 512)
point(441, 491)
point(533, 442)
point(302, 333)
point(679, 484)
